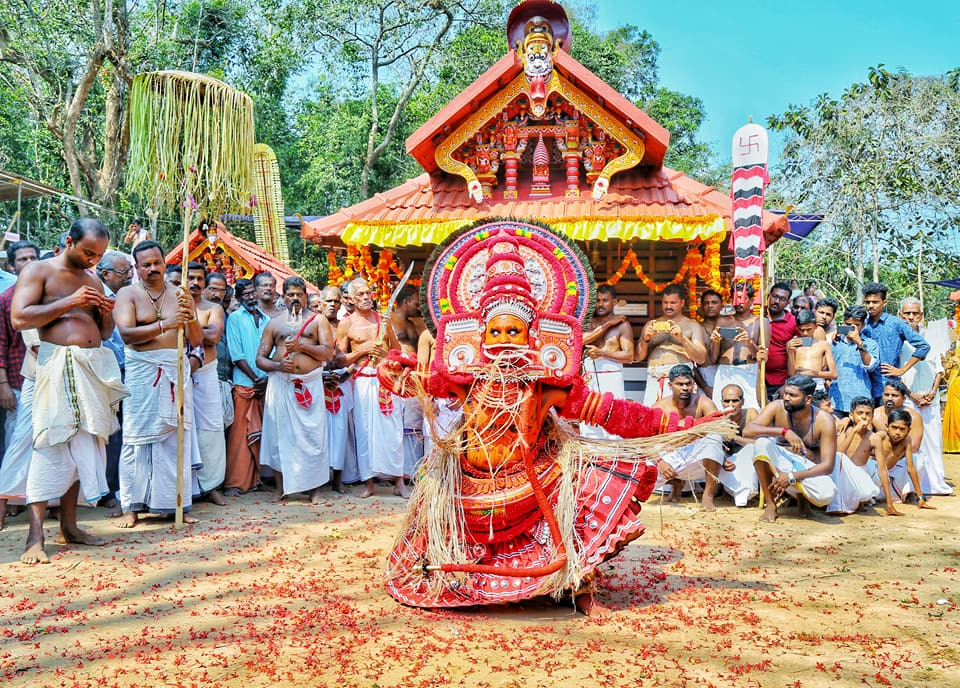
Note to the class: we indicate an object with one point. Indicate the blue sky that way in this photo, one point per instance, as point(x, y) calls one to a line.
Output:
point(742, 65)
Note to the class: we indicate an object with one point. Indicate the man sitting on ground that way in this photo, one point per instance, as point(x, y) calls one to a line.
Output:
point(796, 448)
point(698, 460)
point(741, 482)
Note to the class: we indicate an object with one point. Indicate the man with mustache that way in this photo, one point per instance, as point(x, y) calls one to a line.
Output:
point(148, 315)
point(292, 351)
point(923, 380)
point(668, 340)
point(207, 404)
point(244, 330)
point(365, 339)
point(796, 448)
point(607, 346)
point(737, 357)
point(698, 460)
point(408, 334)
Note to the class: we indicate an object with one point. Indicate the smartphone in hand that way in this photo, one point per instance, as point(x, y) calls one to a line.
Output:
point(806, 341)
point(844, 330)
point(727, 332)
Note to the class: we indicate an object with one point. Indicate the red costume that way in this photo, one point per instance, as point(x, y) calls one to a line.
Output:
point(514, 504)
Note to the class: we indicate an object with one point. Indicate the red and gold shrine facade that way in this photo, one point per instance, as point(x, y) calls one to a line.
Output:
point(539, 137)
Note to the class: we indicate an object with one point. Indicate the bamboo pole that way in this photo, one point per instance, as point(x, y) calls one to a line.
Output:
point(181, 372)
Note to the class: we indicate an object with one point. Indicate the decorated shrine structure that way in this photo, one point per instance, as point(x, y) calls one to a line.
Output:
point(220, 251)
point(539, 137)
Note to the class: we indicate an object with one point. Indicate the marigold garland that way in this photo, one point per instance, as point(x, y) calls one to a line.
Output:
point(359, 263)
point(705, 266)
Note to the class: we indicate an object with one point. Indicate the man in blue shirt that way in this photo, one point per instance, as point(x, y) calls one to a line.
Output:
point(889, 332)
point(244, 330)
point(856, 357)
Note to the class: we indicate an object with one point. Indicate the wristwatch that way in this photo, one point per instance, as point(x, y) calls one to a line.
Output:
point(791, 479)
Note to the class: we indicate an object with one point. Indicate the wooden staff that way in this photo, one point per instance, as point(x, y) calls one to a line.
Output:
point(181, 372)
point(762, 369)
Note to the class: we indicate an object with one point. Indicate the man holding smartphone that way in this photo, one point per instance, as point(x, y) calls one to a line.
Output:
point(735, 343)
point(668, 340)
point(856, 357)
point(607, 345)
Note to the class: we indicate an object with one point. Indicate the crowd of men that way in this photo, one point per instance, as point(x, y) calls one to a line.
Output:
point(282, 392)
point(852, 406)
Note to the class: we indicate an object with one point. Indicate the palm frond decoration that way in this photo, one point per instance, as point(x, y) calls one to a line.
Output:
point(268, 224)
point(190, 134)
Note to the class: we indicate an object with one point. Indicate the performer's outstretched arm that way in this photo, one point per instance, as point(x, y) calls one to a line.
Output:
point(622, 416)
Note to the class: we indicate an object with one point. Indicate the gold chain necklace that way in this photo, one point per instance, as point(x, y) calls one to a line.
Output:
point(157, 307)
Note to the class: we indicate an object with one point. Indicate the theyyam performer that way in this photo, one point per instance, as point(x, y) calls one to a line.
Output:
point(514, 503)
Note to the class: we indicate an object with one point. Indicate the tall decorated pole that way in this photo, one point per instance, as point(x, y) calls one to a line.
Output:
point(749, 178)
point(191, 145)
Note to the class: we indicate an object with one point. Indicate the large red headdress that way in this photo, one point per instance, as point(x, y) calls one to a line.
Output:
point(510, 267)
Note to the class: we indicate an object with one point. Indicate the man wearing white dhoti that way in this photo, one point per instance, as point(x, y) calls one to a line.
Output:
point(338, 398)
point(377, 420)
point(667, 340)
point(699, 460)
point(148, 315)
point(796, 448)
point(292, 352)
point(735, 342)
point(78, 383)
point(16, 457)
point(607, 346)
point(207, 402)
point(740, 483)
point(923, 380)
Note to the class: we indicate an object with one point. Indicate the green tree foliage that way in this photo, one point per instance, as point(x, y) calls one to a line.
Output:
point(882, 161)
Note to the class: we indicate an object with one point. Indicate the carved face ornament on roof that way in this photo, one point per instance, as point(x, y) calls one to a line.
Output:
point(537, 56)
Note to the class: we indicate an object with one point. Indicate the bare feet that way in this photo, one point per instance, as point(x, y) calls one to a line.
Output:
point(400, 489)
point(367, 492)
point(128, 520)
point(232, 492)
point(187, 518)
point(706, 502)
point(315, 497)
point(339, 487)
point(34, 554)
point(769, 513)
point(114, 512)
point(587, 605)
point(216, 497)
point(924, 504)
point(804, 507)
point(79, 537)
point(676, 488)
point(892, 511)
point(275, 496)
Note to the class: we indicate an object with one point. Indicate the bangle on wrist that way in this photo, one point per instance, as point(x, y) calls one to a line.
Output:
point(784, 431)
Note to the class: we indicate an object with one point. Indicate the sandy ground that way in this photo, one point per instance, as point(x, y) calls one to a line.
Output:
point(291, 594)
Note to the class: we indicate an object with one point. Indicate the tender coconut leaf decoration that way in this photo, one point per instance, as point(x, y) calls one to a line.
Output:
point(190, 134)
point(268, 224)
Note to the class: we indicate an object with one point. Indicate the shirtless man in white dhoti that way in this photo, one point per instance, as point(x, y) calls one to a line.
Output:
point(699, 460)
point(803, 463)
point(735, 342)
point(741, 482)
point(65, 301)
point(711, 303)
point(338, 395)
point(607, 346)
point(207, 404)
point(379, 424)
point(668, 340)
point(292, 351)
point(408, 334)
point(148, 315)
